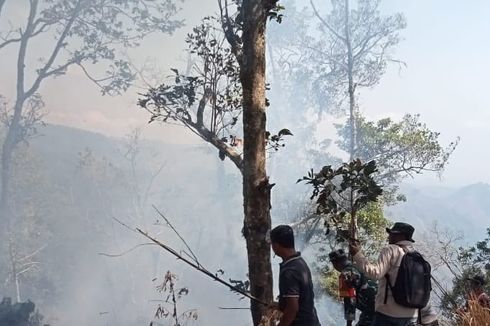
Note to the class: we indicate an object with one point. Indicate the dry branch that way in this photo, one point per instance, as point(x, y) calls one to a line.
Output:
point(201, 269)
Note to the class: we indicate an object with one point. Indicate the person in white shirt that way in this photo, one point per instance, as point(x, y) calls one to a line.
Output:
point(388, 312)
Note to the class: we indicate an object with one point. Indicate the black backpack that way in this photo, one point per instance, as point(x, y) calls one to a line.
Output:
point(413, 282)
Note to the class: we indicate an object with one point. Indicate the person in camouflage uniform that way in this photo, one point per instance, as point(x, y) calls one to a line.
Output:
point(365, 290)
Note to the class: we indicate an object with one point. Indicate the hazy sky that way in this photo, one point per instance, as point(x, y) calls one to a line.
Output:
point(446, 48)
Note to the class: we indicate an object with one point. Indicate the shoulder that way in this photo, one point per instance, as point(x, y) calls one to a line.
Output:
point(391, 249)
point(298, 264)
point(289, 272)
point(296, 270)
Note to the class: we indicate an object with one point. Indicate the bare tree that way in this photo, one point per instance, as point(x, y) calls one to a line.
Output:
point(28, 237)
point(19, 261)
point(141, 187)
point(353, 52)
point(20, 264)
point(79, 33)
point(441, 247)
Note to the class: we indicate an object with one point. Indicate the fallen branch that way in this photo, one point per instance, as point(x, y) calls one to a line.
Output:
point(202, 269)
point(178, 234)
point(127, 251)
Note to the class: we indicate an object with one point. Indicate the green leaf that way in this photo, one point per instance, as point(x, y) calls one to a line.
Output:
point(285, 132)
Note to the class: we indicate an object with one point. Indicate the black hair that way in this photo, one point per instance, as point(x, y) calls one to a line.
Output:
point(283, 235)
point(338, 255)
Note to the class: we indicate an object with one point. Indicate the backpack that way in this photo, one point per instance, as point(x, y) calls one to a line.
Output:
point(413, 282)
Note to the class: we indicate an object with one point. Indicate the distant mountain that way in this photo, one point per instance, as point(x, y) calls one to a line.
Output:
point(60, 148)
point(465, 209)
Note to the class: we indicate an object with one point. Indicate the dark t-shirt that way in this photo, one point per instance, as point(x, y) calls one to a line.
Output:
point(295, 281)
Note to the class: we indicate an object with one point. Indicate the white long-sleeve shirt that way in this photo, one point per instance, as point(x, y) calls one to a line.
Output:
point(388, 263)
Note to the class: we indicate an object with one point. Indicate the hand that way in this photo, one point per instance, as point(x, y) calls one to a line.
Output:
point(354, 248)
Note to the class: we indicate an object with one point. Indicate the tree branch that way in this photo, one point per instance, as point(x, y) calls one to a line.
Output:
point(364, 48)
point(41, 29)
point(194, 257)
point(60, 69)
point(127, 251)
point(44, 71)
point(8, 41)
point(230, 35)
point(26, 269)
point(324, 22)
point(201, 269)
point(31, 255)
point(202, 105)
point(205, 134)
point(96, 81)
point(21, 56)
point(153, 178)
point(211, 138)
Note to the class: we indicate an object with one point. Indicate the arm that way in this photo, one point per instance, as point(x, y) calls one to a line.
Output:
point(289, 311)
point(375, 270)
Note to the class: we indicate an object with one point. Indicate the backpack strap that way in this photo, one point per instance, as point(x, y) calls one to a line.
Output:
point(388, 285)
point(404, 248)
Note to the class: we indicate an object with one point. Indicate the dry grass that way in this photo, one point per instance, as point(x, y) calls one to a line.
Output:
point(475, 316)
point(271, 318)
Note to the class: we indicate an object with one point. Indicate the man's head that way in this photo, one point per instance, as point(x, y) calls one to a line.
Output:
point(400, 232)
point(282, 240)
point(338, 258)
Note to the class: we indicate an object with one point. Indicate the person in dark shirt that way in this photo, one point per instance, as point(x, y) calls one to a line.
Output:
point(296, 297)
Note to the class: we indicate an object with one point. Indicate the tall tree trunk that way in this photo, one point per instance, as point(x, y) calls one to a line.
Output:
point(12, 136)
point(351, 90)
point(256, 187)
point(8, 147)
point(14, 269)
point(5, 217)
point(4, 194)
point(352, 111)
